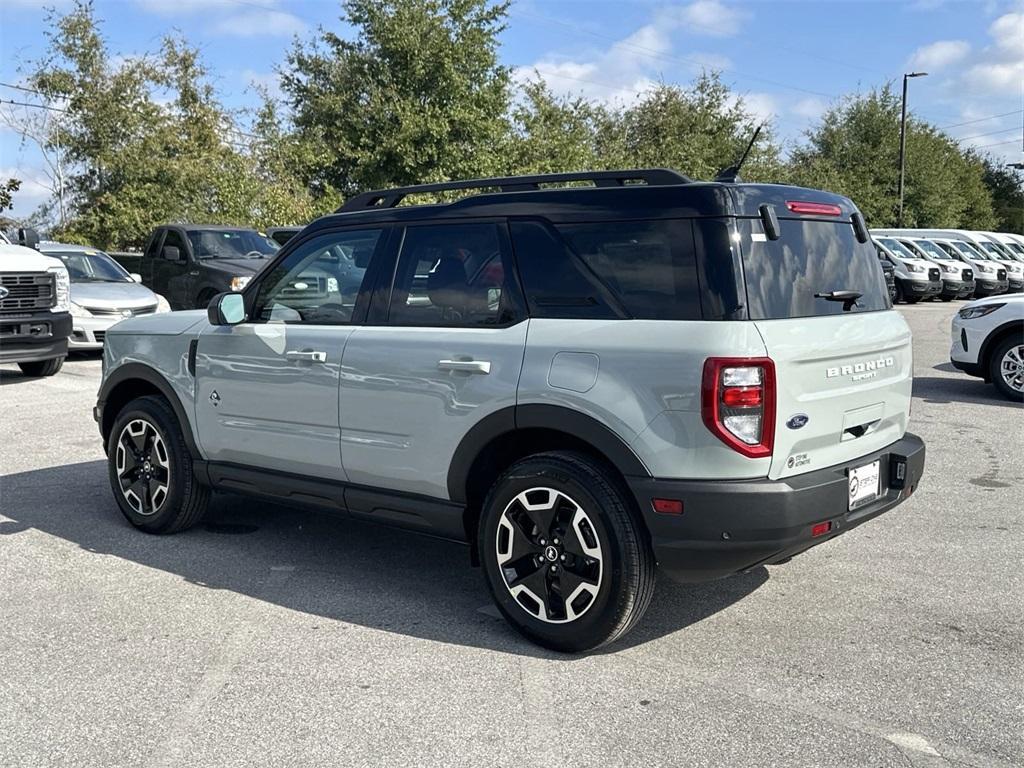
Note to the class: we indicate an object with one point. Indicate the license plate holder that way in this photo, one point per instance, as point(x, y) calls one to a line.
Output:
point(864, 482)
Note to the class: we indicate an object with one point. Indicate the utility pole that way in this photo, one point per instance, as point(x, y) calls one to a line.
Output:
point(903, 140)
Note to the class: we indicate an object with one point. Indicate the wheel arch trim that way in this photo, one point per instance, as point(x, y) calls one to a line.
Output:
point(557, 418)
point(141, 372)
point(994, 337)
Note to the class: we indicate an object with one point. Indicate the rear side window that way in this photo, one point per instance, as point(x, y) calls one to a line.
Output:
point(810, 257)
point(648, 266)
point(453, 275)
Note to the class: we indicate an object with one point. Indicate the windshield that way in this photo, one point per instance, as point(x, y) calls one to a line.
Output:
point(931, 250)
point(1018, 250)
point(87, 266)
point(897, 248)
point(231, 244)
point(972, 250)
point(993, 250)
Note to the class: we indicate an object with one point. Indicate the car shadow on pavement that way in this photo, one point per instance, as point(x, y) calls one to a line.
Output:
point(316, 563)
point(964, 389)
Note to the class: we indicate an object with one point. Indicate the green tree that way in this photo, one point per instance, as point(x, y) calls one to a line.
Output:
point(147, 140)
point(698, 130)
point(7, 190)
point(854, 151)
point(552, 134)
point(416, 95)
point(1007, 195)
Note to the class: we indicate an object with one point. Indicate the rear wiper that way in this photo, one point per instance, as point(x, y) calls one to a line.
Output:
point(849, 298)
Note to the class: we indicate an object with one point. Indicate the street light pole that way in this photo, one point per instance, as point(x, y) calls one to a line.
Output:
point(903, 140)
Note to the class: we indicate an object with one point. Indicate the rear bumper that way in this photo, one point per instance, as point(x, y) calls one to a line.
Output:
point(34, 338)
point(732, 526)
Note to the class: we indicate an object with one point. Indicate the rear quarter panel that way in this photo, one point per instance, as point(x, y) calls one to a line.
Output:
point(642, 379)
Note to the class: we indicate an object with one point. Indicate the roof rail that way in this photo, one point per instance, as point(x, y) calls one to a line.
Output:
point(389, 198)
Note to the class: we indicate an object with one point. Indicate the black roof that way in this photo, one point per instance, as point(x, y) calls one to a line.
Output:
point(611, 197)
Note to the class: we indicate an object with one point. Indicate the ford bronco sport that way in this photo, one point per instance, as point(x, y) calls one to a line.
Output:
point(584, 383)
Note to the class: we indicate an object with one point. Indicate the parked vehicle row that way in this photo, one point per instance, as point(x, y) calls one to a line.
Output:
point(969, 263)
point(584, 383)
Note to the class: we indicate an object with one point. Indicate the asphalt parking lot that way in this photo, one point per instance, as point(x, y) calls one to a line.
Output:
point(281, 637)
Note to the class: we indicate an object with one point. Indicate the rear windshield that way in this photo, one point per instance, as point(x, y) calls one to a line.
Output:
point(810, 257)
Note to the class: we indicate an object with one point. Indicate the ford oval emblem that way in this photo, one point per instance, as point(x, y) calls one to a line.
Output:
point(798, 421)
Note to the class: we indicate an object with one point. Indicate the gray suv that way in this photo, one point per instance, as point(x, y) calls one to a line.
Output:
point(586, 384)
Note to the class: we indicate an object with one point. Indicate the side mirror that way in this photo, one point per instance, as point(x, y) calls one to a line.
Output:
point(226, 309)
point(171, 253)
point(28, 237)
point(135, 276)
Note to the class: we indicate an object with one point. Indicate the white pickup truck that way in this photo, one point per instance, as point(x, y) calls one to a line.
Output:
point(34, 307)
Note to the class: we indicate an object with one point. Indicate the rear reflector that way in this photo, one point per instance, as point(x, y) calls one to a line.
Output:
point(668, 506)
point(820, 529)
point(814, 209)
point(742, 397)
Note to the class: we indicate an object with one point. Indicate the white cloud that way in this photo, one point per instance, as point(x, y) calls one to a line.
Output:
point(634, 65)
point(230, 19)
point(268, 81)
point(939, 55)
point(705, 17)
point(256, 23)
point(1000, 68)
point(763, 106)
point(810, 108)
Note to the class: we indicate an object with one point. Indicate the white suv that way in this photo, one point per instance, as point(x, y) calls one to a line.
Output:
point(988, 342)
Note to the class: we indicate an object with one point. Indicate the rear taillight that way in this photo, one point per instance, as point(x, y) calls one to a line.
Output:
point(738, 403)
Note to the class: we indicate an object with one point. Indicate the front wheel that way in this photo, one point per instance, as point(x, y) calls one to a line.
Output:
point(42, 367)
point(150, 469)
point(563, 553)
point(1006, 369)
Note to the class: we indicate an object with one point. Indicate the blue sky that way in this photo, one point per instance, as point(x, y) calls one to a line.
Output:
point(788, 59)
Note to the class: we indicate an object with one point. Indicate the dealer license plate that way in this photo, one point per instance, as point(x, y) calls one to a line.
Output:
point(864, 484)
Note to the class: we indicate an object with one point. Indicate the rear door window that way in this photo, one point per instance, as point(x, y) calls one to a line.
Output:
point(648, 266)
point(810, 257)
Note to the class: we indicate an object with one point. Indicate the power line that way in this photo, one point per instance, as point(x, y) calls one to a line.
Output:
point(34, 106)
point(990, 133)
point(998, 144)
point(981, 119)
point(22, 88)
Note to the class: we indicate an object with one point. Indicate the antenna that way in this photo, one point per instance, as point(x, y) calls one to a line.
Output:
point(731, 174)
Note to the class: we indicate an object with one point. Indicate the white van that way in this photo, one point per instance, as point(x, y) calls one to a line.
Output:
point(990, 276)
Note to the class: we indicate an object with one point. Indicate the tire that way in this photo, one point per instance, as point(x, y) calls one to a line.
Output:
point(166, 498)
point(912, 299)
point(42, 367)
point(947, 298)
point(1006, 368)
point(204, 299)
point(900, 296)
point(594, 549)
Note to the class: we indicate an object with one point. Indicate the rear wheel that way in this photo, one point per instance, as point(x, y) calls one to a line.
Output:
point(900, 296)
point(1006, 368)
point(947, 298)
point(150, 469)
point(563, 554)
point(42, 367)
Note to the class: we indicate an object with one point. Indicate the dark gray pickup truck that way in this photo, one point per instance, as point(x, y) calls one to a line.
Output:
point(189, 264)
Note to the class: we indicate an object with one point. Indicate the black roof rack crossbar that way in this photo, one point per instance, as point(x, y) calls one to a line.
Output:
point(389, 198)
